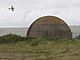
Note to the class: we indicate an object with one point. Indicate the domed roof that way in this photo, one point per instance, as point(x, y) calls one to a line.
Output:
point(49, 27)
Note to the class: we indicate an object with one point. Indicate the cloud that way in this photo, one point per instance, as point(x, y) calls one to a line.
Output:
point(39, 4)
point(25, 14)
point(69, 15)
point(26, 11)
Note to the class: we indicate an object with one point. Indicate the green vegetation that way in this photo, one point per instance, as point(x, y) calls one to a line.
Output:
point(12, 38)
point(25, 48)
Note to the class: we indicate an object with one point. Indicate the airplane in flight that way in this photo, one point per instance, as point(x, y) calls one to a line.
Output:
point(12, 8)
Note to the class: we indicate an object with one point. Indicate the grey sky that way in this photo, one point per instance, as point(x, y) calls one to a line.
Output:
point(26, 11)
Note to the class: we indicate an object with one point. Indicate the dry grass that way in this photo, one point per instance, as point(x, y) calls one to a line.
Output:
point(40, 49)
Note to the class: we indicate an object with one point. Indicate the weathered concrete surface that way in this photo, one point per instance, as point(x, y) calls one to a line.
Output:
point(49, 27)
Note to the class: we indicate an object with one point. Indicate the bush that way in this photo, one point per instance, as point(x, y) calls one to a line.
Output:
point(9, 38)
point(13, 38)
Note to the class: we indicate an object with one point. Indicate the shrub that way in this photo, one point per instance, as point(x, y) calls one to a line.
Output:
point(13, 38)
point(9, 38)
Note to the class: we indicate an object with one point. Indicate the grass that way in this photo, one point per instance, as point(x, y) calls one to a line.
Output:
point(38, 49)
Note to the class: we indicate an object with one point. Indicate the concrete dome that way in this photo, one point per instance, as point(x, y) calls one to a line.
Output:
point(49, 27)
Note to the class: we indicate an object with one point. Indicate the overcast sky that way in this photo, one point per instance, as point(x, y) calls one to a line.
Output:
point(27, 11)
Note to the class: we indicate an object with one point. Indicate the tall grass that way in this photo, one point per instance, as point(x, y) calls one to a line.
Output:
point(40, 49)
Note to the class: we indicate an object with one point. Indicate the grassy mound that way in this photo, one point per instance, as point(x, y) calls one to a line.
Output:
point(40, 49)
point(12, 38)
point(24, 48)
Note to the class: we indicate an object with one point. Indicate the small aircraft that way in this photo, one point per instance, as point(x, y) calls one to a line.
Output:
point(12, 8)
